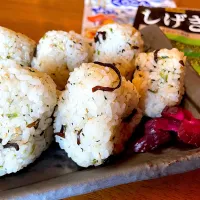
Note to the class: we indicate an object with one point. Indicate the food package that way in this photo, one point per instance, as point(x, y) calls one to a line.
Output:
point(101, 12)
point(181, 26)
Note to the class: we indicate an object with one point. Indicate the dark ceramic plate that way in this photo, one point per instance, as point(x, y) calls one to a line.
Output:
point(54, 176)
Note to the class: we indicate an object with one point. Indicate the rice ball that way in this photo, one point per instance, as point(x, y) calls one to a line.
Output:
point(27, 102)
point(58, 53)
point(119, 44)
point(159, 79)
point(96, 114)
point(16, 46)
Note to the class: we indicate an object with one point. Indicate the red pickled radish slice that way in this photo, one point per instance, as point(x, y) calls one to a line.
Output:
point(151, 141)
point(177, 113)
point(188, 115)
point(173, 112)
point(156, 133)
point(189, 132)
point(164, 124)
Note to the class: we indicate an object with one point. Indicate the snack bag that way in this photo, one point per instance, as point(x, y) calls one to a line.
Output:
point(101, 12)
point(181, 26)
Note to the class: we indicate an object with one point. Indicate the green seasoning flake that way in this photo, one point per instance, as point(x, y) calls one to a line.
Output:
point(98, 52)
point(33, 149)
point(44, 36)
point(152, 91)
point(94, 161)
point(11, 116)
point(111, 30)
point(164, 57)
point(61, 46)
point(11, 101)
point(164, 76)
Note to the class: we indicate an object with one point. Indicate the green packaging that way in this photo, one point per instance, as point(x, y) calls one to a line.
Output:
point(180, 25)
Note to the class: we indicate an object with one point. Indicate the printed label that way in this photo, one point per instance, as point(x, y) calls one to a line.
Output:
point(101, 12)
point(181, 26)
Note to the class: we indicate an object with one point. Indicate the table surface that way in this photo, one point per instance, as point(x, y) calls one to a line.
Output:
point(34, 18)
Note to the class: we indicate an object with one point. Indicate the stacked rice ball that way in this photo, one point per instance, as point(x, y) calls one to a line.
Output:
point(98, 111)
point(96, 114)
point(58, 53)
point(98, 106)
point(159, 78)
point(119, 44)
point(16, 46)
point(28, 98)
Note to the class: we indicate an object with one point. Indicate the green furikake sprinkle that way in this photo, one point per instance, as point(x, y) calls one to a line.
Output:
point(94, 161)
point(152, 91)
point(44, 36)
point(164, 76)
point(11, 116)
point(164, 57)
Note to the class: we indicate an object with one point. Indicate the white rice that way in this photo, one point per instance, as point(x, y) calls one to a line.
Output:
point(159, 83)
point(95, 119)
point(27, 102)
point(58, 53)
point(119, 44)
point(16, 46)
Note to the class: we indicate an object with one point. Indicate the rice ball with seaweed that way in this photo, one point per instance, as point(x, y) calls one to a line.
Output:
point(58, 53)
point(27, 102)
point(16, 46)
point(96, 114)
point(119, 44)
point(159, 79)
